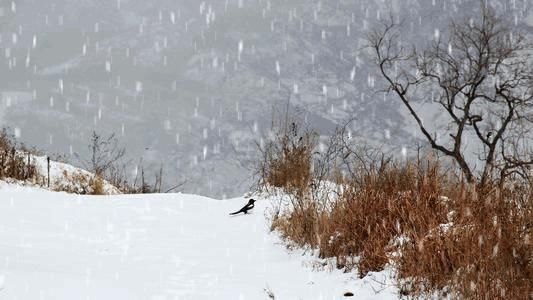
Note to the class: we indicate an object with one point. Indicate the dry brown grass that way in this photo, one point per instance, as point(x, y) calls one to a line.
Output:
point(441, 234)
point(97, 186)
point(486, 251)
point(377, 209)
point(287, 159)
point(79, 183)
point(14, 163)
point(300, 225)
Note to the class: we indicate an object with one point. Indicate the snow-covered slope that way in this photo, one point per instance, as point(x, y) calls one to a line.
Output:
point(63, 177)
point(61, 246)
point(67, 177)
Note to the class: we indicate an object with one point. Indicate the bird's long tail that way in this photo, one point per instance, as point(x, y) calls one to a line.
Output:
point(235, 213)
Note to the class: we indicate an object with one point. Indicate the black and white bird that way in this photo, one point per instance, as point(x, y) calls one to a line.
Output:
point(489, 134)
point(246, 208)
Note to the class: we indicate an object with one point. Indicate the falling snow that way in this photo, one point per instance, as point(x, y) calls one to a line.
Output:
point(125, 67)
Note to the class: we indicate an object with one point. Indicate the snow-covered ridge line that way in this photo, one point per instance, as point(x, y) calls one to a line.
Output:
point(63, 176)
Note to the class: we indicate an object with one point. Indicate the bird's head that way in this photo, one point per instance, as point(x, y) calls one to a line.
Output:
point(251, 201)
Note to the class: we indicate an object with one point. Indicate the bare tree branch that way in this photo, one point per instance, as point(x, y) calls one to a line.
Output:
point(481, 76)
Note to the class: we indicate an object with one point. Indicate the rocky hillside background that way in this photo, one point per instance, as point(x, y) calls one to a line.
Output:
point(192, 85)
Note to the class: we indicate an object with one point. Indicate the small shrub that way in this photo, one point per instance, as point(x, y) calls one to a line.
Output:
point(287, 159)
point(79, 183)
point(97, 186)
point(287, 164)
point(299, 226)
point(15, 162)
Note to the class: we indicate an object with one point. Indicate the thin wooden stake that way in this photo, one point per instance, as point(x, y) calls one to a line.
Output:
point(48, 164)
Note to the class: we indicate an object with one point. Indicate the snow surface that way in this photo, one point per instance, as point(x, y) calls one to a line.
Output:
point(171, 246)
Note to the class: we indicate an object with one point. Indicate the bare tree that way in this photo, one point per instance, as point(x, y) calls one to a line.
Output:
point(105, 153)
point(479, 74)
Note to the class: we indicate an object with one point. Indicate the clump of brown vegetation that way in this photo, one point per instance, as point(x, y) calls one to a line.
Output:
point(287, 161)
point(81, 183)
point(287, 165)
point(379, 209)
point(442, 234)
point(15, 160)
point(485, 249)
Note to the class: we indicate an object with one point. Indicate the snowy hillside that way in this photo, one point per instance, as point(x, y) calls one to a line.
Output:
point(58, 176)
point(67, 177)
point(61, 246)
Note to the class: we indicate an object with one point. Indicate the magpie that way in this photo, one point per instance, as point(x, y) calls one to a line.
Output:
point(246, 208)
